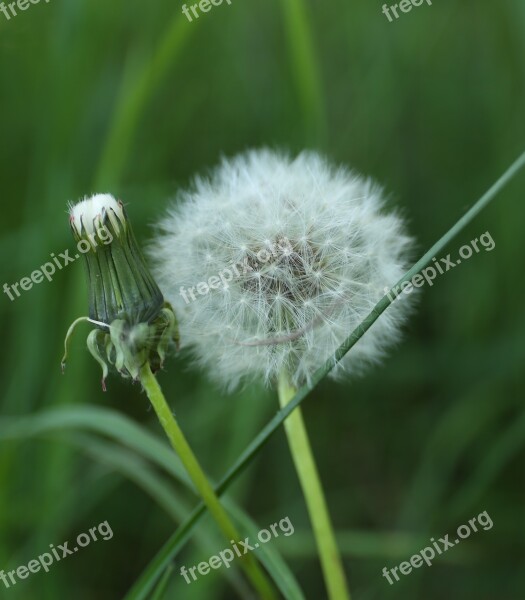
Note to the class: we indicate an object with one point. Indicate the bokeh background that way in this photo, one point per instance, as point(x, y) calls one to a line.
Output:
point(129, 97)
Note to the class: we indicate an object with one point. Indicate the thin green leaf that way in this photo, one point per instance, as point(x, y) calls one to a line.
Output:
point(118, 427)
point(304, 68)
point(160, 590)
point(99, 420)
point(179, 538)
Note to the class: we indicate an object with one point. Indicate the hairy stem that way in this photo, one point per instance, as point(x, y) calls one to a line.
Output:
point(308, 474)
point(179, 537)
point(177, 439)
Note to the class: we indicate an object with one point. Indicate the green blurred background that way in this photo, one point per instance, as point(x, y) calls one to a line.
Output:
point(131, 98)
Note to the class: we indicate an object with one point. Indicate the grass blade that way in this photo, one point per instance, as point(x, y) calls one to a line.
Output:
point(109, 423)
point(305, 69)
point(179, 538)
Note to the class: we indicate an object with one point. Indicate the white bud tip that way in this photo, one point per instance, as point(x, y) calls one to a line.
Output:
point(98, 207)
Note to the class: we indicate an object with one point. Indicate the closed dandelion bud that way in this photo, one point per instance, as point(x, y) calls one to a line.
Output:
point(273, 261)
point(134, 323)
point(120, 283)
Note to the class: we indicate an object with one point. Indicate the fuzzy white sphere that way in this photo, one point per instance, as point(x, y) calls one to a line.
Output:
point(272, 262)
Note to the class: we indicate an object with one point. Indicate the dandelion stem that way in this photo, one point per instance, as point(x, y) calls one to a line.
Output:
point(179, 443)
point(177, 540)
point(308, 474)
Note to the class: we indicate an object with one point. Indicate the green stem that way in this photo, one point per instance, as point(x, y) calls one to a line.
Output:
point(177, 439)
point(306, 468)
point(305, 69)
point(178, 539)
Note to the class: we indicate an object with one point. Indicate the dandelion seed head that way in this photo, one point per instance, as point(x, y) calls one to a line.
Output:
point(332, 248)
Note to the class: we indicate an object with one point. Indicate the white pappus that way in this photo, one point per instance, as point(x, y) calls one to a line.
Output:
point(329, 250)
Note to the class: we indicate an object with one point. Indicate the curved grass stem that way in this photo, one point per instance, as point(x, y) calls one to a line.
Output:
point(306, 468)
point(178, 539)
point(251, 567)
